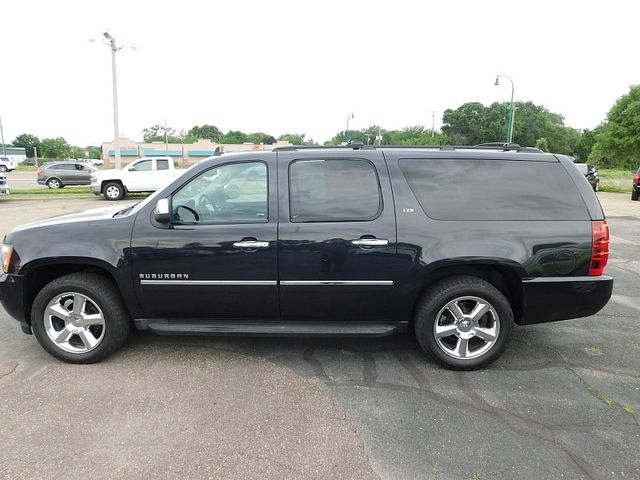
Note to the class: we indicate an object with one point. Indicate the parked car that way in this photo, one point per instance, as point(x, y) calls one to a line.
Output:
point(7, 164)
point(355, 240)
point(143, 175)
point(95, 161)
point(591, 173)
point(4, 186)
point(65, 172)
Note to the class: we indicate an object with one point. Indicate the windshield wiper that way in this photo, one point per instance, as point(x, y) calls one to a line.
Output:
point(126, 210)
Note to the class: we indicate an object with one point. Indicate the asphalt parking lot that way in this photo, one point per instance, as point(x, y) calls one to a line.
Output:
point(562, 403)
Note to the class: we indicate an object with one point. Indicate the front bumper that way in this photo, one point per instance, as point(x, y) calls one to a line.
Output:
point(11, 295)
point(548, 299)
point(95, 188)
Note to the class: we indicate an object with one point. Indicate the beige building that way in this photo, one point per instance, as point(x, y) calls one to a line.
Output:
point(184, 153)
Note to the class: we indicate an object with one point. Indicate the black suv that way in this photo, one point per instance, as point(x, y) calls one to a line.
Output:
point(355, 241)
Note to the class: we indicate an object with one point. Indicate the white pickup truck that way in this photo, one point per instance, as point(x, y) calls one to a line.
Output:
point(143, 175)
point(4, 187)
point(7, 164)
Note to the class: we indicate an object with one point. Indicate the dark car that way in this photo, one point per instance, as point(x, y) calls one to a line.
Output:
point(635, 188)
point(591, 173)
point(346, 241)
point(62, 173)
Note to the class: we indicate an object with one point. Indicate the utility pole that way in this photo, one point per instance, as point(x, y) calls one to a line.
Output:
point(166, 141)
point(116, 128)
point(4, 150)
point(349, 117)
point(433, 123)
point(35, 155)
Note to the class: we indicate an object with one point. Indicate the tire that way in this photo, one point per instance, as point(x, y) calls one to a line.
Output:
point(467, 292)
point(53, 182)
point(596, 187)
point(113, 191)
point(635, 195)
point(3, 169)
point(84, 335)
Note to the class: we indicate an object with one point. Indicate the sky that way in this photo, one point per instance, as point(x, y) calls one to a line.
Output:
point(304, 66)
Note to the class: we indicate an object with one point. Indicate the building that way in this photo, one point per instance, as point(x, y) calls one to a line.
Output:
point(183, 153)
point(14, 153)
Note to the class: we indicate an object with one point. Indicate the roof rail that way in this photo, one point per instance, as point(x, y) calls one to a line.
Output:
point(355, 145)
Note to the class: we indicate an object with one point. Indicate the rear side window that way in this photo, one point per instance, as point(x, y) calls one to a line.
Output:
point(456, 189)
point(63, 166)
point(339, 190)
point(162, 164)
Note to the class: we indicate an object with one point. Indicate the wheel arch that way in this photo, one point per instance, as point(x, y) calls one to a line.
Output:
point(39, 273)
point(506, 275)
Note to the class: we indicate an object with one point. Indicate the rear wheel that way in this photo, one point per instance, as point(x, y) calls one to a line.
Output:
point(80, 318)
point(3, 168)
point(464, 322)
point(113, 191)
point(54, 183)
point(634, 195)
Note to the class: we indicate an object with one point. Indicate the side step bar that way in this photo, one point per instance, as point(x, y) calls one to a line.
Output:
point(267, 328)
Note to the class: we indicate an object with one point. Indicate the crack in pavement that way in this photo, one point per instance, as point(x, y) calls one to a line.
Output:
point(518, 424)
point(8, 371)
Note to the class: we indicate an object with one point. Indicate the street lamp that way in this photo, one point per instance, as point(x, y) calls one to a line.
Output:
point(511, 110)
point(111, 43)
point(349, 117)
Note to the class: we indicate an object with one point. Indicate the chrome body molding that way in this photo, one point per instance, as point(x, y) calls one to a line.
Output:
point(600, 278)
point(210, 282)
point(334, 282)
point(269, 282)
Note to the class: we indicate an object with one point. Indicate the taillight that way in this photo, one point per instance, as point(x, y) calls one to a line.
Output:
point(599, 247)
point(636, 179)
point(40, 170)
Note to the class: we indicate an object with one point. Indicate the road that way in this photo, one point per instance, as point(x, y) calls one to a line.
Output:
point(23, 180)
point(562, 403)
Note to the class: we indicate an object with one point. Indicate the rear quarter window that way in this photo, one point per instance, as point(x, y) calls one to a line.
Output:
point(487, 189)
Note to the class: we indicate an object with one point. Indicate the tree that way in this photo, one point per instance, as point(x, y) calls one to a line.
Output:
point(618, 141)
point(55, 148)
point(94, 152)
point(156, 133)
point(293, 138)
point(234, 136)
point(27, 141)
point(210, 132)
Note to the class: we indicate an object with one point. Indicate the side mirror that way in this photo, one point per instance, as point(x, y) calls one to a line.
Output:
point(161, 214)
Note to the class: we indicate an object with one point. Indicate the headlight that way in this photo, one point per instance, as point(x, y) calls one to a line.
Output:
point(5, 255)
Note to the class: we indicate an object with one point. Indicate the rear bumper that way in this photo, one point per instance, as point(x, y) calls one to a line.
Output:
point(548, 299)
point(11, 290)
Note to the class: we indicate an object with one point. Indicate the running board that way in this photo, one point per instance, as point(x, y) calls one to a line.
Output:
point(267, 328)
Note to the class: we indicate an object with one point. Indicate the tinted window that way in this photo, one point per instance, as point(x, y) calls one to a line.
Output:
point(232, 193)
point(63, 166)
point(333, 190)
point(162, 164)
point(493, 190)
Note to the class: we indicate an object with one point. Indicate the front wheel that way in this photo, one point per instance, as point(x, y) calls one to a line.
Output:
point(113, 191)
point(464, 322)
point(3, 169)
point(80, 318)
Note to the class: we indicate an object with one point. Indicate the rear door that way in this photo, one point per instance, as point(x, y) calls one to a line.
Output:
point(337, 236)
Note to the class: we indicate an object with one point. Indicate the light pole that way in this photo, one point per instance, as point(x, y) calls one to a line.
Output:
point(4, 150)
point(349, 117)
point(511, 110)
point(116, 129)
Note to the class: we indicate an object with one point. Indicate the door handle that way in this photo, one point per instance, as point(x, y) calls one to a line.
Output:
point(370, 242)
point(250, 244)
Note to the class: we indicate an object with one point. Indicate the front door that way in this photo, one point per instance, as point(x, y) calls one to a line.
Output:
point(218, 259)
point(337, 237)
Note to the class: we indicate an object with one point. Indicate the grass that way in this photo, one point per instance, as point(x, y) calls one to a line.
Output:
point(604, 187)
point(50, 191)
point(26, 168)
